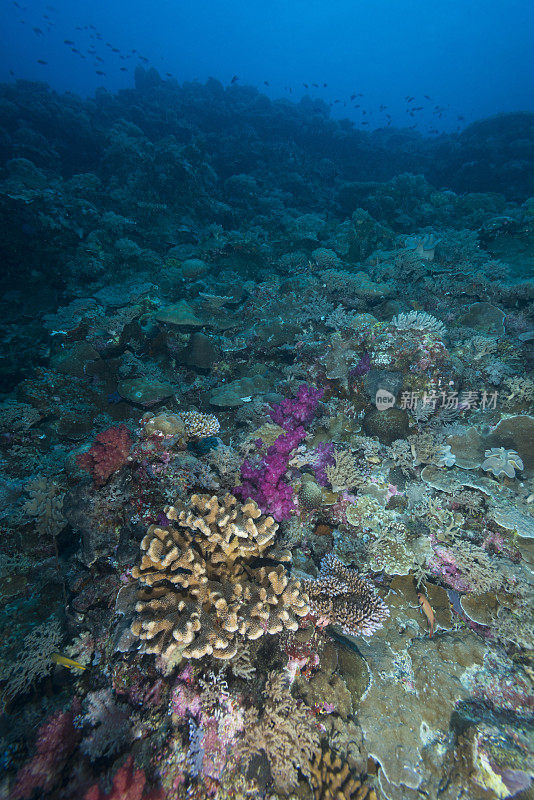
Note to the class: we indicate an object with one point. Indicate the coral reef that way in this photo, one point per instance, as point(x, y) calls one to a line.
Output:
point(199, 592)
point(338, 596)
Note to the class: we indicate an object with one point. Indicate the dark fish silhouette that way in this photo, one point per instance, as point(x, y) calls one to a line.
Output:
point(316, 85)
point(409, 99)
point(40, 61)
point(115, 50)
point(235, 78)
point(305, 85)
point(37, 31)
point(266, 83)
point(99, 72)
point(68, 41)
point(123, 69)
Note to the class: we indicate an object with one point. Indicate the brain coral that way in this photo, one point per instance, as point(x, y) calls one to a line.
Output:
point(200, 592)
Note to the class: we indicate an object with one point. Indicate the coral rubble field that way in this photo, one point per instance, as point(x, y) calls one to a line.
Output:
point(266, 451)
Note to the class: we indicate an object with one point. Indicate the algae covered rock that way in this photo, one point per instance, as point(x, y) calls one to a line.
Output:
point(180, 314)
point(144, 391)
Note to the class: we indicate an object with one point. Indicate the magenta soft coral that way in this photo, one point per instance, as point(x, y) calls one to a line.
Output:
point(56, 740)
point(107, 454)
point(292, 413)
point(266, 483)
point(128, 784)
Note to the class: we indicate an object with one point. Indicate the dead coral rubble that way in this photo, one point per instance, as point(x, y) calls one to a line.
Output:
point(200, 593)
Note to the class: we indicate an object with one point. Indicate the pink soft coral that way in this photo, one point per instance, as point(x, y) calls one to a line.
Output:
point(56, 740)
point(107, 454)
point(128, 784)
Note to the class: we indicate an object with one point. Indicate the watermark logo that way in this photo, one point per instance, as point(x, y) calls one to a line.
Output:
point(461, 401)
point(384, 399)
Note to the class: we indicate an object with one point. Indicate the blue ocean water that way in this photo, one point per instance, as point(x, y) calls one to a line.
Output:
point(266, 400)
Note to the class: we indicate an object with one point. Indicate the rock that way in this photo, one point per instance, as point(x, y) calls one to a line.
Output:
point(236, 393)
point(144, 392)
point(180, 314)
point(484, 317)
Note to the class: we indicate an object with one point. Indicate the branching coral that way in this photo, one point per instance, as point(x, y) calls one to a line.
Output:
point(420, 321)
point(338, 596)
point(344, 473)
point(199, 589)
point(33, 661)
point(284, 732)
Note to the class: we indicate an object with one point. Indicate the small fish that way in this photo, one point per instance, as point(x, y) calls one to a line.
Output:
point(427, 611)
point(306, 86)
point(68, 41)
point(37, 31)
point(40, 61)
point(57, 658)
point(265, 83)
point(235, 78)
point(99, 72)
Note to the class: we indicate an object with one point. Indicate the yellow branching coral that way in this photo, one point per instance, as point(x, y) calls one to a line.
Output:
point(200, 593)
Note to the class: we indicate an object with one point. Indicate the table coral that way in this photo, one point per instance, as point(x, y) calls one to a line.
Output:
point(199, 590)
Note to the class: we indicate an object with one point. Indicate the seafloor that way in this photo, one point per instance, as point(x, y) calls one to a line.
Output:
point(267, 451)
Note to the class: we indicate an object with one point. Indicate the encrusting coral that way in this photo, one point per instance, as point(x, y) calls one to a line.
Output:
point(340, 597)
point(200, 592)
point(332, 779)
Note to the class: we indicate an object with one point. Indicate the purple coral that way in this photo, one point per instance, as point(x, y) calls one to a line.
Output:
point(323, 456)
point(292, 413)
point(266, 483)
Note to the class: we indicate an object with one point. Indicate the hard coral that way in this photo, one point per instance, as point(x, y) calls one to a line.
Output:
point(128, 784)
point(199, 590)
point(332, 779)
point(340, 597)
point(107, 454)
